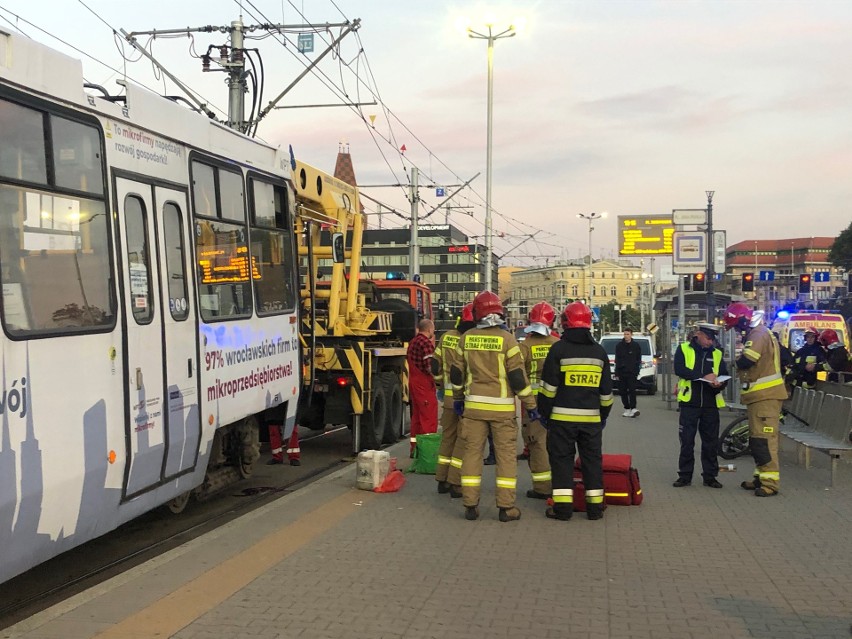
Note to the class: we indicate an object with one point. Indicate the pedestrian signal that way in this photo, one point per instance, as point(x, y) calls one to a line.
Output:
point(748, 282)
point(699, 282)
point(804, 283)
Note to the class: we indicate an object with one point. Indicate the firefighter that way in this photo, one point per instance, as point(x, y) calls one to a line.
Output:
point(448, 470)
point(486, 376)
point(836, 356)
point(808, 360)
point(294, 453)
point(534, 350)
point(421, 383)
point(698, 364)
point(575, 398)
point(763, 391)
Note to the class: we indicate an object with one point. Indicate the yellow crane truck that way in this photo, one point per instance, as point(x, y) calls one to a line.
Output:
point(354, 342)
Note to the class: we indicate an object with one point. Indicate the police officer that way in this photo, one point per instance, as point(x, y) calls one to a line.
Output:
point(448, 470)
point(698, 364)
point(534, 350)
point(763, 391)
point(575, 398)
point(486, 377)
point(808, 360)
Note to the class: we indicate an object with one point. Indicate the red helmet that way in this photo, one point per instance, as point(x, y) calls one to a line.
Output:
point(737, 315)
point(576, 315)
point(486, 303)
point(828, 337)
point(467, 312)
point(542, 313)
point(812, 331)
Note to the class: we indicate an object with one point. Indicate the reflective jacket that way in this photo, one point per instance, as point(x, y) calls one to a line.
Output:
point(759, 367)
point(813, 354)
point(488, 373)
point(576, 383)
point(690, 369)
point(534, 350)
point(442, 363)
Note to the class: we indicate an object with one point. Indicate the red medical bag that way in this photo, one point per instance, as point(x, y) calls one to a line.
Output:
point(621, 483)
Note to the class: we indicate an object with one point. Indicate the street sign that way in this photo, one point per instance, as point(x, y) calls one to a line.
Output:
point(645, 234)
point(305, 43)
point(674, 323)
point(682, 217)
point(822, 276)
point(690, 252)
point(596, 315)
point(767, 276)
point(439, 191)
point(719, 251)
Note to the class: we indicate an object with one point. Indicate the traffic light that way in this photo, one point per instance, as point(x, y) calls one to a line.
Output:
point(849, 282)
point(698, 282)
point(748, 282)
point(687, 283)
point(804, 283)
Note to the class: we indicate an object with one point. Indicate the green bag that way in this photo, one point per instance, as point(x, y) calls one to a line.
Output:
point(426, 454)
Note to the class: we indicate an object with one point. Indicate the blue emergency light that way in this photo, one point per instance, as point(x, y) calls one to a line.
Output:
point(782, 315)
point(394, 275)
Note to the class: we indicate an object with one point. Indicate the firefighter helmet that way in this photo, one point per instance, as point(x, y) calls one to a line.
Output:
point(738, 315)
point(828, 338)
point(467, 312)
point(812, 331)
point(486, 303)
point(542, 313)
point(576, 315)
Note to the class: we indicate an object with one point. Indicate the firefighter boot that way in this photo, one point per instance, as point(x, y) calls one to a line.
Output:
point(471, 513)
point(751, 485)
point(443, 487)
point(562, 515)
point(594, 511)
point(536, 495)
point(510, 514)
point(455, 491)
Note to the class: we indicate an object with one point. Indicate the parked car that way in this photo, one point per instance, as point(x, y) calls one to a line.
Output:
point(648, 372)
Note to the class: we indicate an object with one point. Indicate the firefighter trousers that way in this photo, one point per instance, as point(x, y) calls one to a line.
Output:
point(704, 421)
point(562, 440)
point(452, 449)
point(535, 439)
point(474, 432)
point(294, 452)
point(763, 441)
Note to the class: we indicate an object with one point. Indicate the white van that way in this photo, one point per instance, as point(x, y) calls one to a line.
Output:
point(648, 372)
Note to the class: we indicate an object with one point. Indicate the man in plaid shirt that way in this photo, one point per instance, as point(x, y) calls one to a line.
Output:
point(421, 384)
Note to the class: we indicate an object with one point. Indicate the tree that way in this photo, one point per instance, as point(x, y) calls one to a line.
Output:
point(840, 254)
point(630, 317)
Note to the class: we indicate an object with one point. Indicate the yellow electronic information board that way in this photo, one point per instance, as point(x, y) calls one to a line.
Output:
point(645, 234)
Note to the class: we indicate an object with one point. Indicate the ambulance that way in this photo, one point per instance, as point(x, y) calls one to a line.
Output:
point(791, 328)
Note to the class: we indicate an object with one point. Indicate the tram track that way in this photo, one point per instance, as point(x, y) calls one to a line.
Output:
point(23, 598)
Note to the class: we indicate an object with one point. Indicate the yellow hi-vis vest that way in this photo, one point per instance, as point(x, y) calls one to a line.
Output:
point(685, 386)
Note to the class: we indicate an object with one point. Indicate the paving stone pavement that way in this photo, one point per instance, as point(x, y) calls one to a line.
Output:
point(688, 563)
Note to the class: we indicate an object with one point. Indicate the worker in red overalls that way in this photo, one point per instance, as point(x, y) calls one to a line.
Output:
point(294, 453)
point(421, 383)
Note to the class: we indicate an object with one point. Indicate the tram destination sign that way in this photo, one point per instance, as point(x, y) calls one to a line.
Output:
point(645, 234)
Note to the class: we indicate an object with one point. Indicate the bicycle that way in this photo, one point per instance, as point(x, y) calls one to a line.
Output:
point(734, 440)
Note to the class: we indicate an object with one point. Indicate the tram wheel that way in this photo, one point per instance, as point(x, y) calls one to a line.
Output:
point(177, 505)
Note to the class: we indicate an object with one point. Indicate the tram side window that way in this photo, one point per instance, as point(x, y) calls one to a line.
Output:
point(175, 270)
point(138, 260)
point(273, 265)
point(221, 243)
point(55, 262)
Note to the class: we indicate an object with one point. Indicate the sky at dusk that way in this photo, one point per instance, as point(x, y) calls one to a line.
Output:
point(628, 107)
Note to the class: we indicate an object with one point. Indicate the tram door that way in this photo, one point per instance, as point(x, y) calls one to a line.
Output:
point(160, 353)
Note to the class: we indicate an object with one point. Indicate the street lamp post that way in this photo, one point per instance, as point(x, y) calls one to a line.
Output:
point(491, 37)
point(590, 217)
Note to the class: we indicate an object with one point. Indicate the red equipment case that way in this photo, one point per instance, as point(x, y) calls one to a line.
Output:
point(621, 483)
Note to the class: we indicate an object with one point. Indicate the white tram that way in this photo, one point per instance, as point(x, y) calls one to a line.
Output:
point(149, 306)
